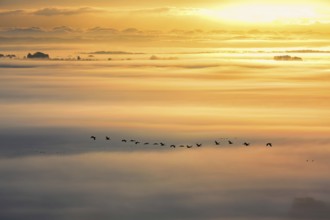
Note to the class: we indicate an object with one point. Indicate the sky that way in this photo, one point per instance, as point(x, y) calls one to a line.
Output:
point(166, 24)
point(161, 15)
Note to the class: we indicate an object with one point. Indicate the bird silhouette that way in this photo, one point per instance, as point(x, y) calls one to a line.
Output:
point(132, 140)
point(217, 143)
point(146, 143)
point(124, 140)
point(198, 145)
point(229, 142)
point(246, 144)
point(107, 138)
point(137, 142)
point(172, 146)
point(189, 146)
point(162, 144)
point(269, 144)
point(93, 137)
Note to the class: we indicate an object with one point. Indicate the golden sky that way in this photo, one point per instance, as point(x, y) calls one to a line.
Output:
point(169, 23)
point(162, 15)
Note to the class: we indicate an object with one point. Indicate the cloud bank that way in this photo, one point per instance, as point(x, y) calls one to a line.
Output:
point(255, 38)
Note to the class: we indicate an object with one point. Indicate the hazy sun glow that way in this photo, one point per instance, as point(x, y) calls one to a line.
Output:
point(265, 13)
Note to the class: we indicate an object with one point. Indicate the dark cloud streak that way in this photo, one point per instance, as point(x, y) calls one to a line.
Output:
point(12, 12)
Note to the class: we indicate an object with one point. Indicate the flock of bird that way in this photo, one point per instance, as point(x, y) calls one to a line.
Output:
point(216, 142)
point(136, 142)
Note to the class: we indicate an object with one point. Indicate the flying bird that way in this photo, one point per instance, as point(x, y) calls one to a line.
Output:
point(124, 140)
point(93, 137)
point(229, 142)
point(269, 144)
point(132, 140)
point(189, 146)
point(136, 142)
point(146, 143)
point(217, 143)
point(172, 146)
point(162, 144)
point(107, 138)
point(246, 144)
point(198, 145)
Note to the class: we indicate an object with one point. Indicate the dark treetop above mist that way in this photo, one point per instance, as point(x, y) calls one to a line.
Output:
point(38, 55)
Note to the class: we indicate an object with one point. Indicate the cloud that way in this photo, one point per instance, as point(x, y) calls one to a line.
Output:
point(144, 185)
point(52, 11)
point(131, 31)
point(102, 30)
point(113, 52)
point(38, 31)
point(309, 208)
point(179, 11)
point(152, 10)
point(59, 11)
point(12, 12)
point(177, 37)
point(63, 29)
point(154, 57)
point(23, 30)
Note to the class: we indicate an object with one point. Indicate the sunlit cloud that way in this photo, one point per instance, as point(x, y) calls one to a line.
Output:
point(151, 10)
point(57, 11)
